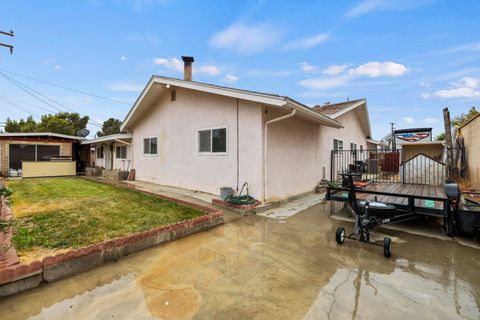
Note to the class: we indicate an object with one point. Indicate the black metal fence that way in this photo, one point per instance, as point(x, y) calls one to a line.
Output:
point(390, 166)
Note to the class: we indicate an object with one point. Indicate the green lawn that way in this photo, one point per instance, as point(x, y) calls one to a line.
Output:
point(74, 212)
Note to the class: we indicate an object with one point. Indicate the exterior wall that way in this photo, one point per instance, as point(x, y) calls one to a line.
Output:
point(122, 164)
point(178, 163)
point(472, 151)
point(433, 151)
point(65, 150)
point(352, 132)
point(33, 169)
point(293, 166)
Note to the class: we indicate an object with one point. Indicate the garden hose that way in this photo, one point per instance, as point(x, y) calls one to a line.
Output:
point(241, 199)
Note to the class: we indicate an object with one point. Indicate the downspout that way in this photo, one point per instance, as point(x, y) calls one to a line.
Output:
point(265, 137)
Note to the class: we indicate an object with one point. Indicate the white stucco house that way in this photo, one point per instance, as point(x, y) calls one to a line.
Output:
point(203, 137)
point(112, 152)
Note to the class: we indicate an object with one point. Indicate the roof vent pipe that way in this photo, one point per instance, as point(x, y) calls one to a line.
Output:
point(187, 68)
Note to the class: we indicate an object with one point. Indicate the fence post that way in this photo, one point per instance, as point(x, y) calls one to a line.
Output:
point(331, 165)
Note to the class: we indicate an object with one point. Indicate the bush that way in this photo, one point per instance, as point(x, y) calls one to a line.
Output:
point(5, 191)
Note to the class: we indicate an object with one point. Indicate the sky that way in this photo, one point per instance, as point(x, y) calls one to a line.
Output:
point(408, 58)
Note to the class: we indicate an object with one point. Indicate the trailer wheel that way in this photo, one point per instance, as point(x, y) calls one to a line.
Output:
point(448, 224)
point(340, 235)
point(387, 247)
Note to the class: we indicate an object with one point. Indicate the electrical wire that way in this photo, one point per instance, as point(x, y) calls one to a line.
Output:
point(66, 88)
point(29, 91)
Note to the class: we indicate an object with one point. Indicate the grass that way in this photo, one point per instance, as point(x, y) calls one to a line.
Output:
point(55, 213)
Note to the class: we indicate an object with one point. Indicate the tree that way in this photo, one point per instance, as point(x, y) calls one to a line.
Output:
point(110, 126)
point(459, 121)
point(440, 136)
point(62, 122)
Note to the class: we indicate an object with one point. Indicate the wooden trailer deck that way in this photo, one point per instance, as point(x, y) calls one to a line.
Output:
point(422, 190)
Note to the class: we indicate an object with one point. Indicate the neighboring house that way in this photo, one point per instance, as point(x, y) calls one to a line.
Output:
point(112, 152)
point(469, 131)
point(408, 136)
point(38, 154)
point(203, 137)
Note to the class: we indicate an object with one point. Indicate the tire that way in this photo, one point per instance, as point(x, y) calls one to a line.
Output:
point(448, 224)
point(340, 235)
point(387, 247)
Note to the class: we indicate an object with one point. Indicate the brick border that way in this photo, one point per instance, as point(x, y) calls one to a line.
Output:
point(22, 277)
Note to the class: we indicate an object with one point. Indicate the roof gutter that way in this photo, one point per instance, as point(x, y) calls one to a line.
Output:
point(265, 137)
point(306, 111)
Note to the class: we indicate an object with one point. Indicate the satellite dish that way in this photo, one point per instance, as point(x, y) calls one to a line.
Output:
point(83, 133)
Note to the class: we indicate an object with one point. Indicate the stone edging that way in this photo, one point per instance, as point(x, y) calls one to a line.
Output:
point(22, 277)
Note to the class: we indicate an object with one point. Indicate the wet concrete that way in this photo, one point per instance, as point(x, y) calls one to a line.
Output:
point(260, 268)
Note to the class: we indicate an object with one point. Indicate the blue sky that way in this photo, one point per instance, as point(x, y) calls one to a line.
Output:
point(408, 58)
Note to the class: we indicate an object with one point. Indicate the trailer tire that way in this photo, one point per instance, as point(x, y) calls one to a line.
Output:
point(449, 227)
point(387, 247)
point(340, 235)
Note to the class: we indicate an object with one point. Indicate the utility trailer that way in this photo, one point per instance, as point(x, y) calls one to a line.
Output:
point(410, 200)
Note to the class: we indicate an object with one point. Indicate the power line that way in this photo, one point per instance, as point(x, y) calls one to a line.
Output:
point(29, 90)
point(18, 107)
point(66, 88)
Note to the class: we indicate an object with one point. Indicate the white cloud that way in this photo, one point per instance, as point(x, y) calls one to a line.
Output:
point(57, 67)
point(123, 58)
point(176, 65)
point(48, 60)
point(229, 78)
point(430, 120)
point(467, 87)
point(245, 38)
point(408, 120)
point(424, 84)
point(306, 67)
point(367, 6)
point(425, 95)
point(325, 83)
point(309, 42)
point(125, 87)
point(172, 64)
point(335, 69)
point(378, 69)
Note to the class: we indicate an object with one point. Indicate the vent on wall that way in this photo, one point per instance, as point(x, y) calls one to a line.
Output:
point(173, 95)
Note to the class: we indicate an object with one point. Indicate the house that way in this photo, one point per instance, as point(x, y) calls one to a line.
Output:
point(203, 137)
point(112, 152)
point(38, 154)
point(409, 135)
point(468, 132)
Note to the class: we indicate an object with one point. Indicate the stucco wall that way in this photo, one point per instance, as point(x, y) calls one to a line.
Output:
point(472, 151)
point(178, 162)
point(352, 132)
point(65, 150)
point(293, 166)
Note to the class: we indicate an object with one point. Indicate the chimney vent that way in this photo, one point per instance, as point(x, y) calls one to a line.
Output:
point(187, 68)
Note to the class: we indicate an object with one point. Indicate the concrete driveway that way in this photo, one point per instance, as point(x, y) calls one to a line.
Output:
point(259, 268)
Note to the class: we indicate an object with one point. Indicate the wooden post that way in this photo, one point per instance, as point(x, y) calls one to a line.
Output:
point(448, 143)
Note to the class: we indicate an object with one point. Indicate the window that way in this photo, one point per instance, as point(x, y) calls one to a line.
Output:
point(361, 148)
point(121, 152)
point(337, 145)
point(44, 152)
point(212, 140)
point(150, 145)
point(100, 153)
point(173, 95)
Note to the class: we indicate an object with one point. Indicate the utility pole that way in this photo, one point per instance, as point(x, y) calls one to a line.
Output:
point(10, 34)
point(392, 137)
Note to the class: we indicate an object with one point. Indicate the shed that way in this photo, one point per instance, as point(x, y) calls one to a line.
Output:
point(38, 154)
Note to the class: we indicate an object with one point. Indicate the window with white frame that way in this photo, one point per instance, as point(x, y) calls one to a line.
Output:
point(100, 152)
point(212, 140)
point(150, 145)
point(337, 145)
point(121, 152)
